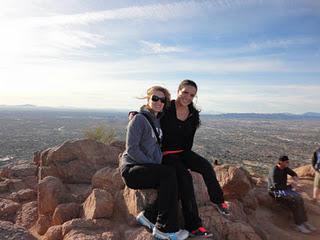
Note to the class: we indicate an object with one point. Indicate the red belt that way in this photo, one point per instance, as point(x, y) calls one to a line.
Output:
point(171, 152)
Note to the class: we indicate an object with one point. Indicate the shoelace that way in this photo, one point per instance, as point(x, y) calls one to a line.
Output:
point(224, 205)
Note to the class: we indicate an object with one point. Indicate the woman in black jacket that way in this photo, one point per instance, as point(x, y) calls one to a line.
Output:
point(179, 125)
point(316, 167)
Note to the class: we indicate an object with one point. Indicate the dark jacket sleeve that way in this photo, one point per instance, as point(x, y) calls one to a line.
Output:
point(291, 172)
point(195, 125)
point(314, 160)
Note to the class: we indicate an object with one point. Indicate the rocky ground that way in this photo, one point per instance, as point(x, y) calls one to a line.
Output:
point(74, 191)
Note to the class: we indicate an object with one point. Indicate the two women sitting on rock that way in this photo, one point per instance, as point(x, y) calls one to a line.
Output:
point(286, 195)
point(145, 165)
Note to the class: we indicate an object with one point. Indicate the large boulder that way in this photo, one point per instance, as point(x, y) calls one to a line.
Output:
point(306, 171)
point(136, 200)
point(93, 225)
point(21, 175)
point(99, 204)
point(137, 234)
point(43, 223)
point(53, 233)
point(23, 170)
point(15, 184)
point(8, 209)
point(28, 215)
point(24, 195)
point(79, 192)
point(65, 212)
point(109, 179)
point(77, 161)
point(234, 180)
point(50, 194)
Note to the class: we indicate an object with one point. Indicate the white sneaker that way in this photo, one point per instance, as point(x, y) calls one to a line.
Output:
point(301, 228)
point(180, 235)
point(144, 221)
point(309, 226)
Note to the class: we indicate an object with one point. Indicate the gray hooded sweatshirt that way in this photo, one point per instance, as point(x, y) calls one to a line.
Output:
point(141, 142)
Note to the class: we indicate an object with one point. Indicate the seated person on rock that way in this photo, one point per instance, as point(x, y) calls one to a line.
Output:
point(316, 167)
point(179, 125)
point(286, 195)
point(141, 166)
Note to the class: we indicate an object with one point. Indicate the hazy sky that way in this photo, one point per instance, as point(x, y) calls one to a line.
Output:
point(245, 55)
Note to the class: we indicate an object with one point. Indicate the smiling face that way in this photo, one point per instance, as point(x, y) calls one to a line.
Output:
point(155, 101)
point(186, 95)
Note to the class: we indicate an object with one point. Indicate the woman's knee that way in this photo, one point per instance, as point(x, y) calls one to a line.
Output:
point(129, 183)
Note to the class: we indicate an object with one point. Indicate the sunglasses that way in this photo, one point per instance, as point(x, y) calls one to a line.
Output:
point(155, 98)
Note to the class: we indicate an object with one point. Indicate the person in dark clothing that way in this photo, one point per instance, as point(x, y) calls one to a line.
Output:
point(286, 195)
point(316, 167)
point(141, 166)
point(179, 124)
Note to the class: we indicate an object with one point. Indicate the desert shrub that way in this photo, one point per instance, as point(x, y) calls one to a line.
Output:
point(101, 134)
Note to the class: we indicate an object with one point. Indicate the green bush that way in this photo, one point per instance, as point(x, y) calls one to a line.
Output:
point(101, 134)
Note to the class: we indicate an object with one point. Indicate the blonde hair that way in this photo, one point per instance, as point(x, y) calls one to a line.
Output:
point(165, 91)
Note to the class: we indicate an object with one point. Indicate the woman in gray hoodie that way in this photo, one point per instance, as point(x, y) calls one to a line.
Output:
point(141, 166)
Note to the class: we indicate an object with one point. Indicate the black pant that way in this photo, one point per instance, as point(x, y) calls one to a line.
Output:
point(190, 160)
point(158, 177)
point(198, 164)
point(295, 204)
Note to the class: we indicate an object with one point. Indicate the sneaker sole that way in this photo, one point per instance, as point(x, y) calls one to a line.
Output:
point(158, 238)
point(303, 231)
point(200, 236)
point(162, 237)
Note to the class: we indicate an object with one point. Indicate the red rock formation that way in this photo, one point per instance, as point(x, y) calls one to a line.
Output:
point(77, 161)
point(305, 171)
point(80, 195)
point(98, 205)
point(65, 212)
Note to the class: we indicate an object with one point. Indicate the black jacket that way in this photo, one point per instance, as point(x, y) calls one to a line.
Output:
point(177, 134)
point(315, 160)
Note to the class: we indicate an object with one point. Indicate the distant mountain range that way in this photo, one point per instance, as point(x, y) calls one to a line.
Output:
point(276, 116)
point(30, 107)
